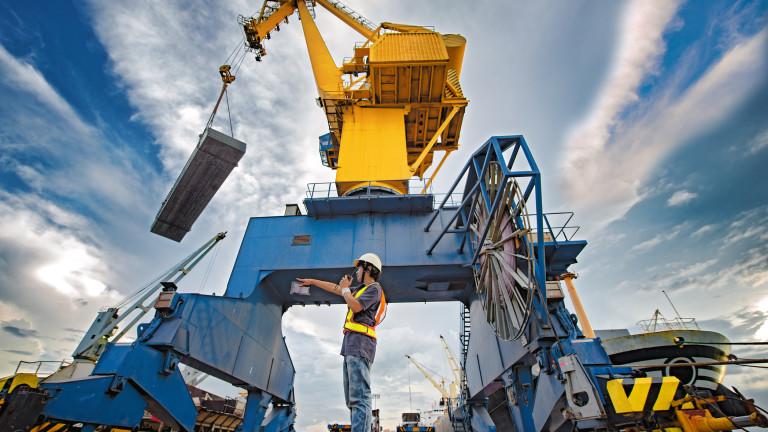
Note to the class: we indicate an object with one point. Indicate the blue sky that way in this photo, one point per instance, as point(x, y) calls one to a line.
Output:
point(648, 119)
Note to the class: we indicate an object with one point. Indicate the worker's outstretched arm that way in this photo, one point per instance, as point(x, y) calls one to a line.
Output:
point(336, 288)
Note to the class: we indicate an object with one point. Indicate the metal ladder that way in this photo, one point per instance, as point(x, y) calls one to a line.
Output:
point(354, 15)
point(464, 332)
point(462, 424)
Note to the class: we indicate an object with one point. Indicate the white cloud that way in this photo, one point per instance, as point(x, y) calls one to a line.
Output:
point(608, 160)
point(175, 104)
point(53, 278)
point(658, 239)
point(681, 197)
point(64, 259)
point(703, 230)
point(749, 225)
point(18, 73)
point(587, 158)
point(759, 142)
point(57, 261)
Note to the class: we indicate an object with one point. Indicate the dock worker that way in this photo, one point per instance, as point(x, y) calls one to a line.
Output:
point(366, 307)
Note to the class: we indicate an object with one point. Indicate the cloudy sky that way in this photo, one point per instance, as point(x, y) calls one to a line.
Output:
point(648, 119)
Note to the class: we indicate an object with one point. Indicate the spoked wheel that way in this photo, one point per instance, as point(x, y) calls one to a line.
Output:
point(506, 261)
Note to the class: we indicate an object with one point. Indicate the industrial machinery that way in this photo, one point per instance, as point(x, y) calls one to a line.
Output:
point(449, 395)
point(458, 374)
point(487, 244)
point(394, 103)
point(411, 422)
point(375, 424)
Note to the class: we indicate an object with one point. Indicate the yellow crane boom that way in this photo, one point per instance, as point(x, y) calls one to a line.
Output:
point(441, 389)
point(386, 124)
point(458, 374)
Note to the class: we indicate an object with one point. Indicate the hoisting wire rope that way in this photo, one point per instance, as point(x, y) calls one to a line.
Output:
point(737, 362)
point(434, 372)
point(215, 108)
point(229, 114)
point(679, 341)
point(232, 59)
point(137, 294)
point(240, 61)
point(210, 265)
point(233, 54)
point(151, 285)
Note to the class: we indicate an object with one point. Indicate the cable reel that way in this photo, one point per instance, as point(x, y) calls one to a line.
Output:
point(503, 271)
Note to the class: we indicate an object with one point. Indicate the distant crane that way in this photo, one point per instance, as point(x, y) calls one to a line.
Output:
point(458, 373)
point(448, 396)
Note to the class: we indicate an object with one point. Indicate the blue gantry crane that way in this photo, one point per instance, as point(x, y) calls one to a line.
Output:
point(526, 352)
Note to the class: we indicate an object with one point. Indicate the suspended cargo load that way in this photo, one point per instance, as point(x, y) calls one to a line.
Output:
point(210, 164)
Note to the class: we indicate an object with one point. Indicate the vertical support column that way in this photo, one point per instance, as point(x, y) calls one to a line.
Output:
point(579, 309)
point(255, 409)
point(541, 269)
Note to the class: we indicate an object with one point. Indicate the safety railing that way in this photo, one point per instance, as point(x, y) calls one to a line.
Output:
point(354, 15)
point(557, 227)
point(660, 323)
point(40, 367)
point(412, 186)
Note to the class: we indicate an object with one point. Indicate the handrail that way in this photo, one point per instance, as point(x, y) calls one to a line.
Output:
point(564, 231)
point(321, 190)
point(60, 364)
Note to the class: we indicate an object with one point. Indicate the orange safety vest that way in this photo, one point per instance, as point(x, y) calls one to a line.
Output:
point(351, 325)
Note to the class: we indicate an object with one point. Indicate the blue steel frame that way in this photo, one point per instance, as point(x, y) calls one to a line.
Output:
point(473, 172)
point(237, 337)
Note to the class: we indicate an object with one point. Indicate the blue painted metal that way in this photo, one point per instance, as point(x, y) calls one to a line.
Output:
point(237, 337)
point(480, 420)
point(281, 418)
point(255, 410)
point(269, 257)
point(324, 146)
point(124, 383)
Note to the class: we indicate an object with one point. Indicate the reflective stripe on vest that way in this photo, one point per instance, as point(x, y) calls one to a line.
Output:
point(351, 325)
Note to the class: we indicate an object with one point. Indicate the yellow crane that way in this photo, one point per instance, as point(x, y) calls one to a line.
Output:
point(389, 107)
point(458, 374)
point(448, 396)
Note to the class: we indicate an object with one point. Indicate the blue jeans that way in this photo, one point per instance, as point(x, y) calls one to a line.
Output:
point(357, 392)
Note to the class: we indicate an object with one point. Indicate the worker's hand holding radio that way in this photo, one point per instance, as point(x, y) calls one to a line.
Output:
point(346, 281)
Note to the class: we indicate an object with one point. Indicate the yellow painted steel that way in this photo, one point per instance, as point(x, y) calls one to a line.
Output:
point(348, 20)
point(372, 150)
point(703, 423)
point(437, 170)
point(53, 427)
point(666, 394)
point(638, 396)
point(455, 45)
point(256, 30)
point(579, 309)
point(9, 383)
point(402, 103)
point(432, 142)
point(327, 75)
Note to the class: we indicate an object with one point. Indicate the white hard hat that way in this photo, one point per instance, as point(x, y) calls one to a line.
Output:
point(370, 258)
